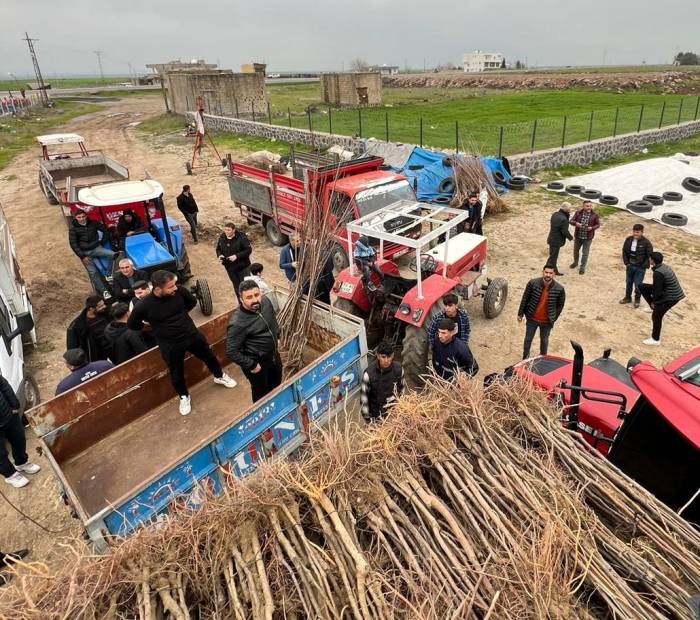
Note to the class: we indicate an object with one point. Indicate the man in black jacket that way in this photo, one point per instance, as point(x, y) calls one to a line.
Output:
point(124, 280)
point(450, 354)
point(126, 343)
point(664, 293)
point(12, 432)
point(542, 303)
point(233, 251)
point(188, 207)
point(558, 234)
point(84, 239)
point(87, 330)
point(166, 310)
point(251, 340)
point(381, 383)
point(128, 224)
point(636, 251)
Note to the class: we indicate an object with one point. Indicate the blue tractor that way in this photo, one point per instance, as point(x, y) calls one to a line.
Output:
point(156, 246)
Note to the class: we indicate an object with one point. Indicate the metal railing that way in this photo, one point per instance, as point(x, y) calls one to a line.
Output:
point(13, 106)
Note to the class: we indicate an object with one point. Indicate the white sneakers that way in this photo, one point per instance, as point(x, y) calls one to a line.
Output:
point(185, 405)
point(17, 480)
point(651, 342)
point(226, 381)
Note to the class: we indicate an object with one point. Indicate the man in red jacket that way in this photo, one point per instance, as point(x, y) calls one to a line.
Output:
point(586, 222)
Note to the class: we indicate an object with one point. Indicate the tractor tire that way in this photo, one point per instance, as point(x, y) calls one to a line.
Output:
point(672, 196)
point(691, 184)
point(674, 219)
point(657, 201)
point(495, 297)
point(345, 305)
point(639, 206)
point(340, 258)
point(447, 186)
point(373, 335)
point(50, 198)
point(556, 186)
point(185, 272)
point(574, 189)
point(415, 351)
point(275, 235)
point(188, 168)
point(203, 295)
point(590, 194)
point(607, 199)
point(31, 396)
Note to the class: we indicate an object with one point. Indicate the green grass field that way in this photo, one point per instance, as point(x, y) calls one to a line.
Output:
point(63, 82)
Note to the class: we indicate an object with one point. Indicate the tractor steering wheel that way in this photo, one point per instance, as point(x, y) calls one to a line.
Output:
point(427, 263)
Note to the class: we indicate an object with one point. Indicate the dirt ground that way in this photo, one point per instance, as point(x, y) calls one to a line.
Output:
point(517, 251)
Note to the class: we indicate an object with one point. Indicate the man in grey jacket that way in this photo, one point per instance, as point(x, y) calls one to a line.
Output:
point(558, 234)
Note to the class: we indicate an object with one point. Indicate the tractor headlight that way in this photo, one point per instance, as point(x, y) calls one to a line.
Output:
point(405, 309)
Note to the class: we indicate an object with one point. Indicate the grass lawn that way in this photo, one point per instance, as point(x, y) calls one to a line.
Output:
point(17, 134)
point(63, 82)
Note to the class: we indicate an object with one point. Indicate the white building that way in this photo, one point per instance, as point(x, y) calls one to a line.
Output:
point(385, 69)
point(478, 61)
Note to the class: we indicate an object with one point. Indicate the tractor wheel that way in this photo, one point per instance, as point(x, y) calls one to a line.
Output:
point(495, 297)
point(415, 350)
point(275, 235)
point(340, 258)
point(204, 297)
point(188, 167)
point(374, 334)
point(185, 271)
point(50, 198)
point(347, 306)
point(32, 397)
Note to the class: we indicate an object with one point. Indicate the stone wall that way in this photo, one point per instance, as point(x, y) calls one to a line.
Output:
point(343, 89)
point(224, 92)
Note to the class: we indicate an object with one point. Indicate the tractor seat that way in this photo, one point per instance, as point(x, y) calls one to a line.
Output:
point(145, 251)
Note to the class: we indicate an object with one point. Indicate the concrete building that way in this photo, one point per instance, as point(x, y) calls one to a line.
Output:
point(478, 61)
point(178, 65)
point(254, 67)
point(351, 89)
point(385, 69)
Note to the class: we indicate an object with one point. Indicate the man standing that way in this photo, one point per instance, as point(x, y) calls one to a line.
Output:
point(451, 310)
point(636, 251)
point(586, 222)
point(12, 432)
point(80, 370)
point(166, 310)
point(87, 330)
point(558, 234)
point(474, 223)
point(289, 256)
point(233, 251)
point(664, 293)
point(188, 207)
point(251, 340)
point(542, 303)
point(122, 287)
point(450, 354)
point(381, 383)
point(84, 239)
point(126, 343)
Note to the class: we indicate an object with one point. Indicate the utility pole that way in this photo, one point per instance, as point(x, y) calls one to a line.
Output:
point(99, 62)
point(37, 72)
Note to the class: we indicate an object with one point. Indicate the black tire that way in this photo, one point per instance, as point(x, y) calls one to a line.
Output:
point(495, 297)
point(275, 235)
point(31, 396)
point(499, 177)
point(446, 186)
point(50, 198)
point(691, 184)
point(442, 200)
point(374, 334)
point(639, 206)
point(520, 179)
point(672, 196)
point(516, 184)
point(347, 306)
point(340, 258)
point(590, 194)
point(574, 189)
point(691, 154)
point(416, 167)
point(607, 199)
point(188, 167)
point(555, 186)
point(414, 356)
point(203, 295)
point(657, 201)
point(674, 219)
point(185, 271)
point(224, 162)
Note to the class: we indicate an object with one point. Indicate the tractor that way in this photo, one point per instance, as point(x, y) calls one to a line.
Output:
point(159, 246)
point(401, 308)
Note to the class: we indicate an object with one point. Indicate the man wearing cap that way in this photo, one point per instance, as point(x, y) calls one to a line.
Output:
point(558, 234)
point(662, 294)
point(80, 370)
point(450, 354)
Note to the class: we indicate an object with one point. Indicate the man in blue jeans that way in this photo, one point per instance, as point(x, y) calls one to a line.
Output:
point(85, 241)
point(636, 251)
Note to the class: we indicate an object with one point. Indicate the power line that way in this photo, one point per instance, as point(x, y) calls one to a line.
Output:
point(37, 71)
point(99, 62)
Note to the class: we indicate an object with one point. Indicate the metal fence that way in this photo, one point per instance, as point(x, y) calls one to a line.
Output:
point(508, 139)
point(12, 106)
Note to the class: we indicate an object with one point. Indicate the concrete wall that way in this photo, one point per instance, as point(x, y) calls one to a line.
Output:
point(224, 92)
point(341, 89)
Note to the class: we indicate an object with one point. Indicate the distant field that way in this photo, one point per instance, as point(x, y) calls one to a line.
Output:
point(63, 82)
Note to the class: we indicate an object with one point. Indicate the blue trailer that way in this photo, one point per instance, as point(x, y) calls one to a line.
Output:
point(124, 455)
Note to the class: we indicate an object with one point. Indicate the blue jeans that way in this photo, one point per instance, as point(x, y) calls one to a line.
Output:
point(95, 277)
point(634, 275)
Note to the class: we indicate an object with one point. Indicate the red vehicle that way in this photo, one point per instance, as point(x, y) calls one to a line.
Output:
point(645, 420)
point(401, 308)
point(345, 191)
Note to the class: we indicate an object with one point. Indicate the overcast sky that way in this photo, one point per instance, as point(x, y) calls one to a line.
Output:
point(313, 35)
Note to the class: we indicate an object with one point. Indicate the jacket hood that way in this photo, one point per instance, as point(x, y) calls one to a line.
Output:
point(114, 330)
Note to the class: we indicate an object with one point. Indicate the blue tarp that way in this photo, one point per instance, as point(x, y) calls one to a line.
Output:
point(428, 178)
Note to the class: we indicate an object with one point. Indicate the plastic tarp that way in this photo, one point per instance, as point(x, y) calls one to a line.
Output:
point(432, 172)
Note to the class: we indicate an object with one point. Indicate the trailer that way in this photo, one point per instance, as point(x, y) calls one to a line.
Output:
point(124, 455)
point(66, 166)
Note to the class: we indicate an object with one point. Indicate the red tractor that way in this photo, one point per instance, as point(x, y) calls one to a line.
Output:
point(400, 308)
point(645, 420)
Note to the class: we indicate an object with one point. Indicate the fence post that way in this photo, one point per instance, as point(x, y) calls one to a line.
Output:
point(563, 133)
point(697, 107)
point(308, 113)
point(420, 141)
point(252, 109)
point(590, 127)
point(289, 116)
point(359, 120)
point(663, 109)
point(641, 115)
point(534, 136)
point(500, 142)
point(330, 119)
point(617, 114)
point(269, 114)
point(386, 125)
point(236, 102)
point(680, 111)
point(456, 137)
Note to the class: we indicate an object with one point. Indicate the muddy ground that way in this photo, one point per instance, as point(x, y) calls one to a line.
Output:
point(517, 251)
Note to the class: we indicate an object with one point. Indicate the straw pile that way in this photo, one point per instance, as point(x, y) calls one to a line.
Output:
point(469, 176)
point(461, 505)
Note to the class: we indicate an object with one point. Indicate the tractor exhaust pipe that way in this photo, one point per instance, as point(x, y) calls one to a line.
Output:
point(576, 380)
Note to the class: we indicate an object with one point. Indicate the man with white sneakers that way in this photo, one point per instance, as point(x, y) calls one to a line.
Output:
point(664, 293)
point(166, 309)
point(12, 432)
